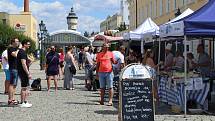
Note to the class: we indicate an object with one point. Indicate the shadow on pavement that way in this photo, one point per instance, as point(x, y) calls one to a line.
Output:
point(92, 96)
point(4, 104)
point(79, 77)
point(78, 103)
point(107, 112)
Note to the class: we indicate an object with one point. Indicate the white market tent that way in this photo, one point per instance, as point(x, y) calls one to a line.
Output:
point(174, 29)
point(147, 28)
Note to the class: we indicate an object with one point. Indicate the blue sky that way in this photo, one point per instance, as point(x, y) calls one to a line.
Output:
point(54, 12)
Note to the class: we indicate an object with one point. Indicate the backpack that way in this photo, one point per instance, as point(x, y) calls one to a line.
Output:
point(36, 84)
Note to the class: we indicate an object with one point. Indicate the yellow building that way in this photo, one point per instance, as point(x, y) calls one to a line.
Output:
point(24, 22)
point(111, 23)
point(161, 11)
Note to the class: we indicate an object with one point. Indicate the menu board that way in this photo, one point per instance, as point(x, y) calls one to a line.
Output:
point(137, 100)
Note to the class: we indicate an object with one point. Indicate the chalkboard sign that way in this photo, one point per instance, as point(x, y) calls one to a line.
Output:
point(137, 100)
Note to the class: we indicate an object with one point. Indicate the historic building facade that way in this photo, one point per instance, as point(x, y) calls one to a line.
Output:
point(23, 22)
point(160, 11)
point(111, 23)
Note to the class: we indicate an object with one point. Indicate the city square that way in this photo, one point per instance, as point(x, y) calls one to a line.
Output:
point(118, 60)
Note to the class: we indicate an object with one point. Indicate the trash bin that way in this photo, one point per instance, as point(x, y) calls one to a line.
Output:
point(136, 95)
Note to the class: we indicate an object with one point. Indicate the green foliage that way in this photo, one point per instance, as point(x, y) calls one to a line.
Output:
point(7, 33)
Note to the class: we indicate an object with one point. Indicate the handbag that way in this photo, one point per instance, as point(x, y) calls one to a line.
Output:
point(72, 69)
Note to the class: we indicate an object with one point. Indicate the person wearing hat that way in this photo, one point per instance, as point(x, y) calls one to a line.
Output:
point(169, 57)
point(104, 69)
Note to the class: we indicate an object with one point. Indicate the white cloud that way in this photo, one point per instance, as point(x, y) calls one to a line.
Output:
point(54, 13)
point(89, 23)
point(6, 6)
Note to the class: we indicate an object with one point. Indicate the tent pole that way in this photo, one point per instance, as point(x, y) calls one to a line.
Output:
point(159, 54)
point(142, 47)
point(185, 76)
point(213, 51)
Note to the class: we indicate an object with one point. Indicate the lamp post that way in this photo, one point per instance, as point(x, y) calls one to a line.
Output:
point(42, 35)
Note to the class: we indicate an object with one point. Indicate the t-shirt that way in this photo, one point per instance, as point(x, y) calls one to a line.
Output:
point(89, 58)
point(104, 58)
point(80, 56)
point(11, 59)
point(169, 59)
point(203, 58)
point(179, 62)
point(119, 57)
point(21, 55)
point(61, 55)
point(5, 64)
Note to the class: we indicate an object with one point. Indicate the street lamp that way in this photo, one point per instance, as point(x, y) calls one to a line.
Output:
point(42, 36)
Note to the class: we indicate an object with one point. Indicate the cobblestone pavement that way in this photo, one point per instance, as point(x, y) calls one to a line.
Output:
point(69, 105)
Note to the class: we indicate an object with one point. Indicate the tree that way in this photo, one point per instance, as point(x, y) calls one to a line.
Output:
point(7, 33)
point(86, 34)
point(122, 27)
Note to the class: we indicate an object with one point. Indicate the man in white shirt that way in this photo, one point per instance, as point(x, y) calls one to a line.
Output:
point(119, 57)
point(6, 70)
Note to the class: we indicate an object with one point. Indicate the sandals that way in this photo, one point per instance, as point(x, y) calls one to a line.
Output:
point(13, 102)
point(110, 104)
point(101, 103)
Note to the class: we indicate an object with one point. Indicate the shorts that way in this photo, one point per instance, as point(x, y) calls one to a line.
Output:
point(80, 61)
point(24, 79)
point(88, 72)
point(106, 78)
point(7, 74)
point(13, 77)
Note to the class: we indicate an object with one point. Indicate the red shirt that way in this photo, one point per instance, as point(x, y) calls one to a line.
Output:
point(61, 57)
point(104, 58)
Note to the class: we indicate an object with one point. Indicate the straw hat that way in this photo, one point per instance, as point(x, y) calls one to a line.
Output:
point(106, 45)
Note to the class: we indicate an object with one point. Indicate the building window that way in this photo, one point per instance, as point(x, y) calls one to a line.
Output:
point(4, 21)
point(183, 2)
point(155, 8)
point(161, 7)
point(143, 14)
point(147, 10)
point(150, 8)
point(175, 4)
point(167, 6)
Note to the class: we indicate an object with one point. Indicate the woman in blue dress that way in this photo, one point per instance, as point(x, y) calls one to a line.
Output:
point(52, 70)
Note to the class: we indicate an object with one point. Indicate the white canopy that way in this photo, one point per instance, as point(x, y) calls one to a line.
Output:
point(174, 29)
point(148, 27)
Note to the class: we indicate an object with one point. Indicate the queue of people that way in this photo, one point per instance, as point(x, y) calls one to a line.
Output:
point(16, 65)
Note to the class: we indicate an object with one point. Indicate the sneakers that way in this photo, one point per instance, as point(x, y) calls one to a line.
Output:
point(25, 105)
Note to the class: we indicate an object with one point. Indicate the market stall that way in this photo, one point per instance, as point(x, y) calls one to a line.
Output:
point(199, 24)
point(100, 39)
point(145, 33)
